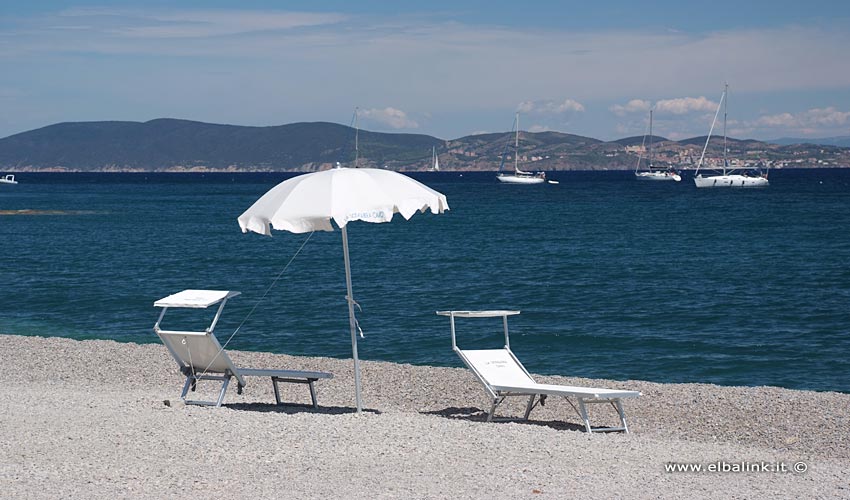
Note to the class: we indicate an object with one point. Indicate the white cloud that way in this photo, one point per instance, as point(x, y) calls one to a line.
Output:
point(551, 107)
point(633, 106)
point(684, 105)
point(678, 136)
point(539, 128)
point(677, 106)
point(828, 117)
point(778, 120)
point(194, 23)
point(812, 119)
point(393, 117)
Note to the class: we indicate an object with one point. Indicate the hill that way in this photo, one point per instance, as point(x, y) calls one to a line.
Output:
point(840, 141)
point(639, 139)
point(182, 145)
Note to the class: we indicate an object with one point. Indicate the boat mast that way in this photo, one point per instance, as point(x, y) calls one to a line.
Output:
point(516, 145)
point(707, 139)
point(725, 106)
point(650, 140)
point(356, 138)
point(642, 150)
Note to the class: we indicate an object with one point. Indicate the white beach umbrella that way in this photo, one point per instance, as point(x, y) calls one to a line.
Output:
point(309, 202)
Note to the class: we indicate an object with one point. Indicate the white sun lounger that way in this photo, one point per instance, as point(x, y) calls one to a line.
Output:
point(201, 357)
point(502, 376)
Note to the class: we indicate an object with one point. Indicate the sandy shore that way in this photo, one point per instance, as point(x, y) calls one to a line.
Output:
point(88, 420)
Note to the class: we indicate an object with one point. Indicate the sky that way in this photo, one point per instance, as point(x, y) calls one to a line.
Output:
point(442, 68)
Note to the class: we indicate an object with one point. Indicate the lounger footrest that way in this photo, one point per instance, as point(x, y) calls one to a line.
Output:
point(262, 372)
point(288, 376)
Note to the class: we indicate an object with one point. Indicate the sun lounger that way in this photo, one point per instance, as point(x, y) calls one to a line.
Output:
point(503, 376)
point(201, 357)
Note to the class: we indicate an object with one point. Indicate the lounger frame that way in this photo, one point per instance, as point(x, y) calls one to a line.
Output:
point(200, 356)
point(527, 387)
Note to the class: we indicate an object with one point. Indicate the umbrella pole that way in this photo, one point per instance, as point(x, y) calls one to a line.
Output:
point(351, 320)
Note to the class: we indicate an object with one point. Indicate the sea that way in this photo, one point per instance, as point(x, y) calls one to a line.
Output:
point(615, 278)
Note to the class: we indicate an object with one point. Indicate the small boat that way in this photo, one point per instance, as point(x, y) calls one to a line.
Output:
point(356, 137)
point(9, 179)
point(658, 175)
point(435, 160)
point(518, 176)
point(726, 176)
point(650, 174)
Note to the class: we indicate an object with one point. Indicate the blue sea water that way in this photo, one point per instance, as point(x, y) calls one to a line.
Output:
point(615, 278)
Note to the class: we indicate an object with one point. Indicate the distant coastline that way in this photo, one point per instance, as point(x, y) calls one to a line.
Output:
point(235, 170)
point(181, 146)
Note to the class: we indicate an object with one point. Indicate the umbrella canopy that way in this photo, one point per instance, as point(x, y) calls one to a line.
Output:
point(309, 202)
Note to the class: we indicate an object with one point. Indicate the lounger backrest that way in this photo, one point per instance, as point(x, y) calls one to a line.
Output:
point(497, 367)
point(203, 353)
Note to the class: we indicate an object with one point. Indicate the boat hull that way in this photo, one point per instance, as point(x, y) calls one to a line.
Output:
point(730, 181)
point(657, 176)
point(517, 179)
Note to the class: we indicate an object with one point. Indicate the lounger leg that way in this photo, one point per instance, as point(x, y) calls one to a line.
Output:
point(492, 410)
point(530, 406)
point(276, 390)
point(616, 403)
point(224, 385)
point(189, 382)
point(308, 381)
point(583, 411)
point(313, 393)
point(619, 405)
point(192, 381)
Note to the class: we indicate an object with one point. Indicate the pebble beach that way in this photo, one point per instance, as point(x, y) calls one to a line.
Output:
point(102, 419)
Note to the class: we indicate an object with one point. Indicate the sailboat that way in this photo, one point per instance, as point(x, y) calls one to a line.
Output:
point(356, 137)
point(725, 176)
point(435, 161)
point(650, 174)
point(519, 176)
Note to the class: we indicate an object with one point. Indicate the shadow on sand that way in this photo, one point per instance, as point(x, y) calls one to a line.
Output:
point(475, 414)
point(294, 408)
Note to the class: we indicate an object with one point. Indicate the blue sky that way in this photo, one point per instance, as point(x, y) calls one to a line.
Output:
point(446, 69)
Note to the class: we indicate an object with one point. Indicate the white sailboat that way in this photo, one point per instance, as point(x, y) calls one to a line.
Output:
point(356, 137)
point(9, 179)
point(435, 161)
point(519, 176)
point(650, 174)
point(725, 176)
